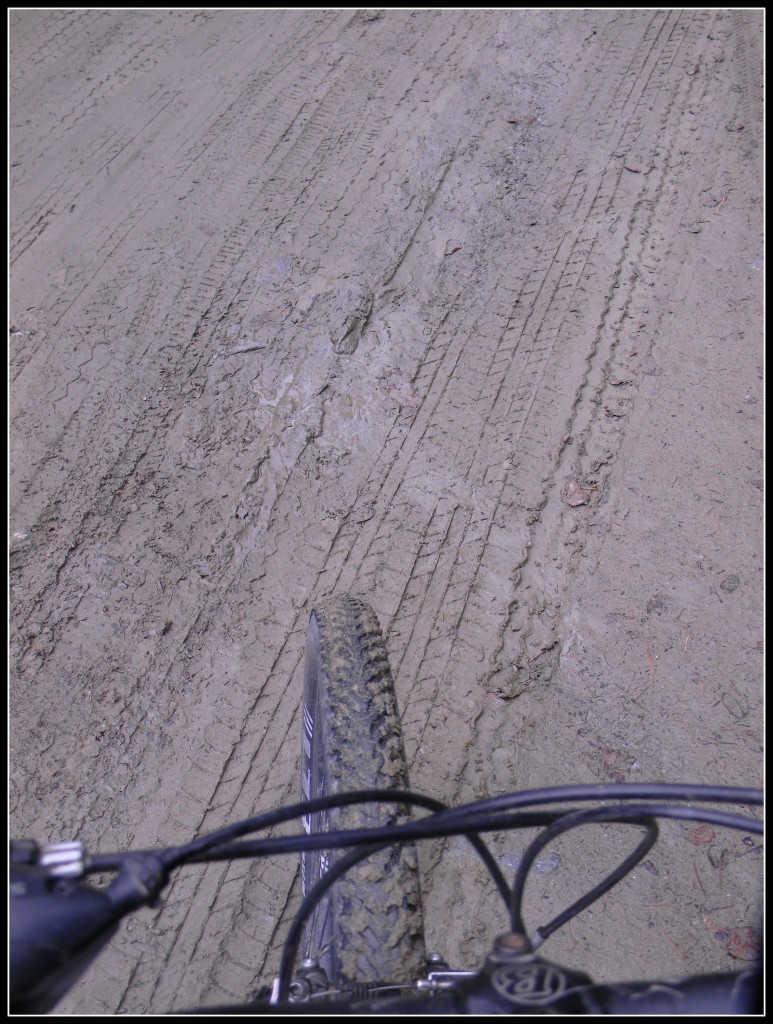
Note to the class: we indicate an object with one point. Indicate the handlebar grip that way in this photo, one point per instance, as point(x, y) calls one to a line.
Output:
point(708, 994)
point(57, 927)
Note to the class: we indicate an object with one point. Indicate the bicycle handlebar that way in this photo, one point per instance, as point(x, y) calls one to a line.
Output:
point(59, 925)
point(527, 990)
point(77, 921)
point(546, 988)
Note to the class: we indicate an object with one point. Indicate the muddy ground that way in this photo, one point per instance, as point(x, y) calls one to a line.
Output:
point(459, 312)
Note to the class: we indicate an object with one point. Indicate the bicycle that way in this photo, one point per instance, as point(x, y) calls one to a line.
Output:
point(359, 925)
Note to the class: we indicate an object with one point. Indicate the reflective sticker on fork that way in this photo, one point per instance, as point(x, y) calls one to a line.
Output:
point(308, 722)
point(308, 733)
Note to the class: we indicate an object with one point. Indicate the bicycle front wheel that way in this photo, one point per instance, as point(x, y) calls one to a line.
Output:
point(369, 926)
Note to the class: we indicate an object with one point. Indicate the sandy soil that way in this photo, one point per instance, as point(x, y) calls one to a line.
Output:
point(458, 312)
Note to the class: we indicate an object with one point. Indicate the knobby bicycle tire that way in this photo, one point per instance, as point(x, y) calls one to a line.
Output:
point(369, 926)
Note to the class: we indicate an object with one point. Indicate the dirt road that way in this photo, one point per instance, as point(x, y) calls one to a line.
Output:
point(456, 311)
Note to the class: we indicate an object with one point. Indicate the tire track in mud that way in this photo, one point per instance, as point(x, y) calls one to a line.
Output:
point(104, 142)
point(528, 630)
point(441, 672)
point(226, 258)
point(538, 285)
point(506, 368)
point(180, 336)
point(594, 433)
point(125, 50)
point(44, 50)
point(185, 110)
point(141, 441)
point(362, 569)
point(180, 332)
point(273, 735)
point(748, 41)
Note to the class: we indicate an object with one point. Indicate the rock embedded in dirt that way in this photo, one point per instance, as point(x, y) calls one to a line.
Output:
point(573, 494)
point(729, 584)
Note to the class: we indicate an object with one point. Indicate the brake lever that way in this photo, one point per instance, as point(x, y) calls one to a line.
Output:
point(60, 924)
